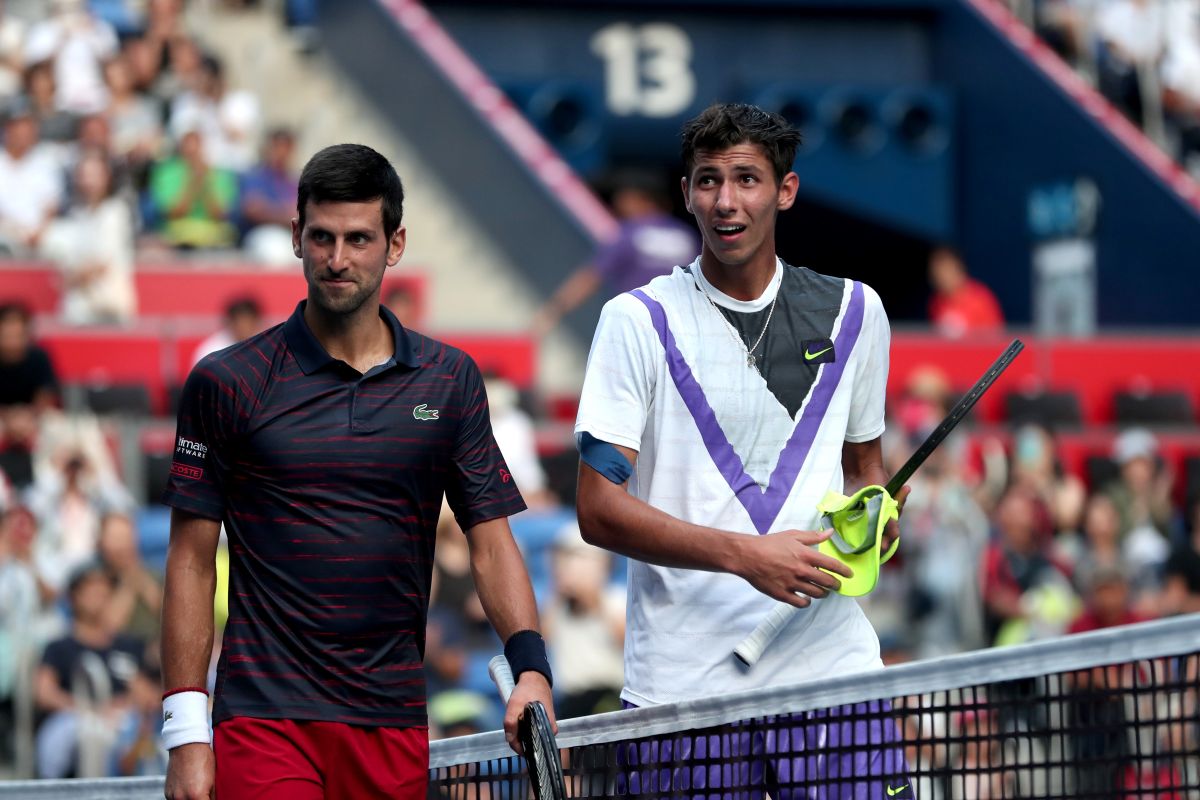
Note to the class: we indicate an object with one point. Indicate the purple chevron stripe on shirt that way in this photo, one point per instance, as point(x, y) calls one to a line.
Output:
point(763, 506)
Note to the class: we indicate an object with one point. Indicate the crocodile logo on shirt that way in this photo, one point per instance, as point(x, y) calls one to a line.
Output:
point(423, 412)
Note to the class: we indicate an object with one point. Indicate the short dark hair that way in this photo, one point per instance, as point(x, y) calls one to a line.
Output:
point(725, 125)
point(245, 304)
point(352, 173)
point(16, 310)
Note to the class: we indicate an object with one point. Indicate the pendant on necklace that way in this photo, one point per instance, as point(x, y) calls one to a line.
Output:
point(752, 362)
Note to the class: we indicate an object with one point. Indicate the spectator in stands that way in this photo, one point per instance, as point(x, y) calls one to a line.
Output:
point(28, 388)
point(585, 624)
point(458, 712)
point(961, 306)
point(648, 243)
point(1063, 25)
point(12, 39)
point(139, 749)
point(164, 24)
point(94, 249)
point(1142, 494)
point(268, 202)
point(1060, 495)
point(1026, 591)
point(32, 181)
point(137, 593)
point(1107, 602)
point(56, 126)
point(459, 631)
point(76, 42)
point(1133, 37)
point(1097, 546)
point(135, 119)
point(83, 682)
point(515, 436)
point(25, 610)
point(145, 62)
point(400, 301)
point(27, 378)
point(946, 533)
point(243, 319)
point(1181, 573)
point(193, 200)
point(228, 121)
point(1181, 90)
point(69, 500)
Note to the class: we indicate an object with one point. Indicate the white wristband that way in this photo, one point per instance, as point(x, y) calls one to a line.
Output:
point(185, 719)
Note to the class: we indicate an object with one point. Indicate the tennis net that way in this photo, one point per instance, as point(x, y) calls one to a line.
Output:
point(1111, 714)
point(1107, 714)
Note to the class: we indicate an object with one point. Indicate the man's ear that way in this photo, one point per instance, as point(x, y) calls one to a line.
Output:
point(787, 191)
point(687, 201)
point(396, 246)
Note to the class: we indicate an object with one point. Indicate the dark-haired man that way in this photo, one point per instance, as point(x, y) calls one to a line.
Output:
point(325, 446)
point(721, 402)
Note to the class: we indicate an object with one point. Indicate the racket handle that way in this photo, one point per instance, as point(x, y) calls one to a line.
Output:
point(501, 676)
point(753, 646)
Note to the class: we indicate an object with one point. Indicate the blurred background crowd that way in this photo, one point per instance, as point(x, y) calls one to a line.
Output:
point(124, 144)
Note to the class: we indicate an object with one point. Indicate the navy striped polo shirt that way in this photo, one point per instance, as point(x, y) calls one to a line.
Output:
point(329, 483)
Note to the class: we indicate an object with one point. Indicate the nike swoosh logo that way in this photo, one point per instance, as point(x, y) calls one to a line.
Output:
point(893, 792)
point(810, 356)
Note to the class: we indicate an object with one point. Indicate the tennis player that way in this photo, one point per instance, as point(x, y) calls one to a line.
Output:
point(720, 404)
point(325, 445)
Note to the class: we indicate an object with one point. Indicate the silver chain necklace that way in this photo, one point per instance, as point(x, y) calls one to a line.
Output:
point(751, 359)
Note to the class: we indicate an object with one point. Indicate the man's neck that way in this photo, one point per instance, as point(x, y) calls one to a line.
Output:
point(362, 339)
point(92, 633)
point(745, 282)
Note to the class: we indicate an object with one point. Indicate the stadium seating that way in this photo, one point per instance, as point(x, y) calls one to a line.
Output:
point(1153, 408)
point(195, 289)
point(1048, 409)
point(1094, 369)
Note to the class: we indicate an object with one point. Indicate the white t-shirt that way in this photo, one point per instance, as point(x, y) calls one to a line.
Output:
point(1137, 28)
point(33, 186)
point(666, 377)
point(79, 44)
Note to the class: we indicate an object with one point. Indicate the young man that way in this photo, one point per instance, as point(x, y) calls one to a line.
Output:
point(325, 446)
point(740, 389)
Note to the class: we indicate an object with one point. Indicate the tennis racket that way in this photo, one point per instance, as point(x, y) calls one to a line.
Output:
point(753, 646)
point(536, 737)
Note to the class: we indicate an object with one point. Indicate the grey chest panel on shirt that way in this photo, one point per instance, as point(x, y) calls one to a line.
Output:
point(799, 338)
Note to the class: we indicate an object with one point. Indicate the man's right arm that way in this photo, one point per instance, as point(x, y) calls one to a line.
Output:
point(779, 565)
point(187, 639)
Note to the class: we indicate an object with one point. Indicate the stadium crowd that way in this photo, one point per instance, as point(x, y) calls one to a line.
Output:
point(121, 133)
point(1143, 56)
point(127, 140)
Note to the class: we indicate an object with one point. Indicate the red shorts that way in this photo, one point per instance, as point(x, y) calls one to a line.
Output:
point(306, 760)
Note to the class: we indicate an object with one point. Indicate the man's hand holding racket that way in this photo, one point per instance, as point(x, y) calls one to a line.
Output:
point(532, 687)
point(529, 727)
point(788, 567)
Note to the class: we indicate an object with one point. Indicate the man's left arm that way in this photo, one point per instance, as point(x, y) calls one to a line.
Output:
point(862, 465)
point(507, 597)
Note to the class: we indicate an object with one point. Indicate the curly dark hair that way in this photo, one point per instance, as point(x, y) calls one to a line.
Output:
point(726, 125)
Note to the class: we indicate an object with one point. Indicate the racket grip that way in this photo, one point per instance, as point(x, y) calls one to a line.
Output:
point(753, 646)
point(501, 676)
